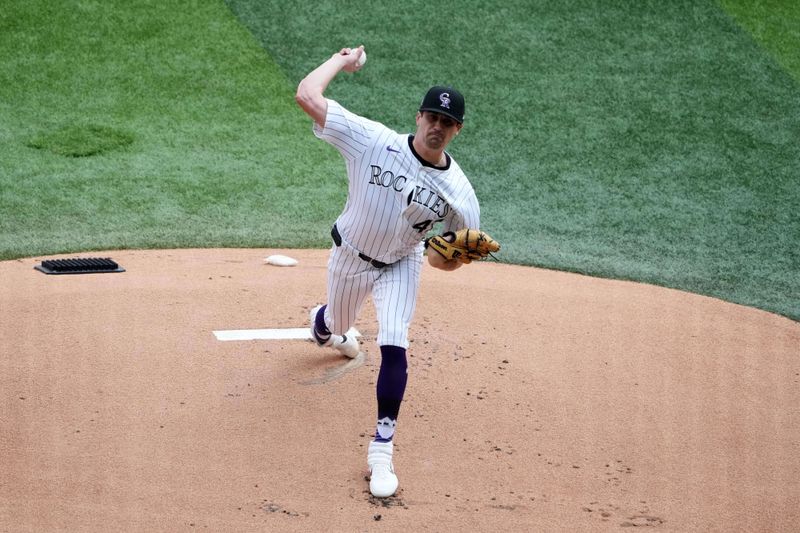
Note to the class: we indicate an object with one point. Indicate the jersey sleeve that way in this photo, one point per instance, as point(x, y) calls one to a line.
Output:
point(346, 131)
point(461, 220)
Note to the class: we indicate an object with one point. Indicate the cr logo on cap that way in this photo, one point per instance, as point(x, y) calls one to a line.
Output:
point(444, 98)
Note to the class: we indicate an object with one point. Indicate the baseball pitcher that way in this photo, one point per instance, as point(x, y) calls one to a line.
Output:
point(400, 186)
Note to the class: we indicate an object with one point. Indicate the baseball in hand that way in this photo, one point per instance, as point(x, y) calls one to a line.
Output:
point(363, 58)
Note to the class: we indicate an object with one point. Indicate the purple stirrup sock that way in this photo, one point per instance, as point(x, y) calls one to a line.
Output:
point(392, 379)
point(319, 324)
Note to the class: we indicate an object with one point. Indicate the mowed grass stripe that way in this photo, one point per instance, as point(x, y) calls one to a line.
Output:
point(204, 116)
point(775, 24)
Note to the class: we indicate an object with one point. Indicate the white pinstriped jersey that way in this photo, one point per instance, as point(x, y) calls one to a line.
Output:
point(394, 197)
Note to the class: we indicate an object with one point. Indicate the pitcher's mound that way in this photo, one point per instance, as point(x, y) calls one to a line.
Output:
point(537, 401)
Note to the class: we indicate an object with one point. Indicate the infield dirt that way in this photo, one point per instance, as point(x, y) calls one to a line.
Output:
point(537, 401)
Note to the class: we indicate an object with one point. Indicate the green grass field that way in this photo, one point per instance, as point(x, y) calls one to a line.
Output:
point(642, 140)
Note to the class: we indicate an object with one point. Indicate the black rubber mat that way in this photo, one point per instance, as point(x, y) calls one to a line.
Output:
point(89, 265)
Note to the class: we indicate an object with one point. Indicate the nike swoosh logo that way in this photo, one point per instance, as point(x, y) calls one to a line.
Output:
point(392, 150)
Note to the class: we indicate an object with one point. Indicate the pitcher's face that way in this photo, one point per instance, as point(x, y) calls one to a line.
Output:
point(436, 130)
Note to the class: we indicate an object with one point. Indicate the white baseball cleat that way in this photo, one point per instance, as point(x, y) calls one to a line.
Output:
point(382, 481)
point(347, 345)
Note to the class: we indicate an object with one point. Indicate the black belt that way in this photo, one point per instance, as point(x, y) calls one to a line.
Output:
point(337, 240)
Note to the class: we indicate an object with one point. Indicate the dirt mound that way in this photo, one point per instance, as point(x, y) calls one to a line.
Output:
point(543, 401)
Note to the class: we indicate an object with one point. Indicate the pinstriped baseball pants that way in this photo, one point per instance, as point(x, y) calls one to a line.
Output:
point(394, 290)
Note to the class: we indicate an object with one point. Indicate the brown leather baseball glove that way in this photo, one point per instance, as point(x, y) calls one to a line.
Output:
point(466, 245)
